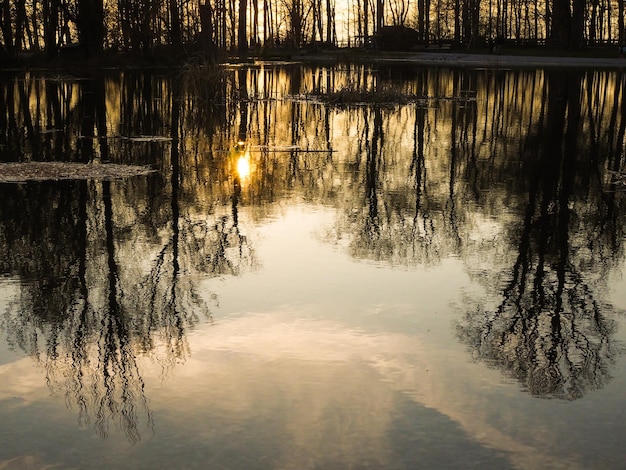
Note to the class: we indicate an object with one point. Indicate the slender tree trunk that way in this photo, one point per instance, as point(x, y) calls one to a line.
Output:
point(223, 23)
point(207, 40)
point(315, 13)
point(176, 39)
point(577, 34)
point(548, 20)
point(51, 22)
point(457, 21)
point(427, 22)
point(593, 23)
point(421, 19)
point(147, 28)
point(329, 22)
point(265, 23)
point(7, 28)
point(255, 23)
point(608, 7)
point(475, 18)
point(365, 20)
point(319, 20)
point(620, 21)
point(242, 44)
point(35, 25)
point(21, 24)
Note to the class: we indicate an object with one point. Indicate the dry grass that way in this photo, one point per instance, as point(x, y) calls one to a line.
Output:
point(204, 79)
point(352, 97)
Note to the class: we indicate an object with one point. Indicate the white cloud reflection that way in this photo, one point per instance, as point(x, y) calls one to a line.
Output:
point(334, 394)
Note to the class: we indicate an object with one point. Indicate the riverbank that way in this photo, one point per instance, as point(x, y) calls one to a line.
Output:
point(448, 58)
point(458, 59)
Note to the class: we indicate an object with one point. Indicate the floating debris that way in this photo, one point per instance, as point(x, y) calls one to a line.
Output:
point(42, 171)
point(149, 138)
point(280, 149)
point(100, 137)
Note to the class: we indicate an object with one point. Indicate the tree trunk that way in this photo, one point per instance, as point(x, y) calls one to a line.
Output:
point(620, 21)
point(207, 40)
point(255, 24)
point(242, 42)
point(20, 24)
point(90, 23)
point(427, 22)
point(51, 20)
point(421, 19)
point(176, 39)
point(577, 34)
point(6, 26)
point(561, 23)
point(329, 22)
point(475, 18)
point(457, 20)
point(315, 14)
point(365, 21)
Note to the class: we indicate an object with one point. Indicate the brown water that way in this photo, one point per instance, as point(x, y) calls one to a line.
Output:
point(437, 284)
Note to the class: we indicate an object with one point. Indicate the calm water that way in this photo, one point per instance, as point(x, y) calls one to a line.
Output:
point(434, 285)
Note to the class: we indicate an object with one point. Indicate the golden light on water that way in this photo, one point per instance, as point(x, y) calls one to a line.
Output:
point(240, 159)
point(243, 166)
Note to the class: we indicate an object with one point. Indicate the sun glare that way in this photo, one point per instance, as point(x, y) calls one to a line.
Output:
point(243, 166)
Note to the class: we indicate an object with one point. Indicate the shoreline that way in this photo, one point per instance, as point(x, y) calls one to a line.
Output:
point(447, 58)
point(459, 59)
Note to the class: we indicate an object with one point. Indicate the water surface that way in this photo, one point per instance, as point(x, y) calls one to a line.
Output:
point(436, 284)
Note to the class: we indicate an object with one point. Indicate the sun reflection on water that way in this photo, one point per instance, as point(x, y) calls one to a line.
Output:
point(241, 161)
point(243, 166)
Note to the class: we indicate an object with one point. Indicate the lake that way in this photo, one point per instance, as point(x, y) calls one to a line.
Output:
point(329, 267)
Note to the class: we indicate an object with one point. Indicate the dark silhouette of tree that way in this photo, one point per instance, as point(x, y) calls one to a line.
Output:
point(242, 36)
point(7, 30)
point(176, 38)
point(50, 26)
point(90, 25)
point(242, 27)
point(568, 23)
point(621, 29)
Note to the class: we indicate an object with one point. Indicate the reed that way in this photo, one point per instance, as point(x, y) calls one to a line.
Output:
point(349, 96)
point(204, 79)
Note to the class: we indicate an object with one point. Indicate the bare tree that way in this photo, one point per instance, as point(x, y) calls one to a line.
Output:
point(90, 23)
point(242, 37)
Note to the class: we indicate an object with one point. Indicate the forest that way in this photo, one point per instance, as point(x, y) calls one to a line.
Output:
point(88, 28)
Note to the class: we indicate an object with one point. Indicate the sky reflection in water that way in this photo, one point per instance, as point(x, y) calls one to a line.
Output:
point(393, 297)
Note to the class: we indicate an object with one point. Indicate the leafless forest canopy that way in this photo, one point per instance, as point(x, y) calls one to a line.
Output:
point(144, 26)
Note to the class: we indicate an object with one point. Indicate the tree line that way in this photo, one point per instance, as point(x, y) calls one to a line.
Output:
point(237, 26)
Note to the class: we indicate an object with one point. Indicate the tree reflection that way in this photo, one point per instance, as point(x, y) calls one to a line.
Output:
point(408, 214)
point(549, 331)
point(108, 269)
point(522, 178)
